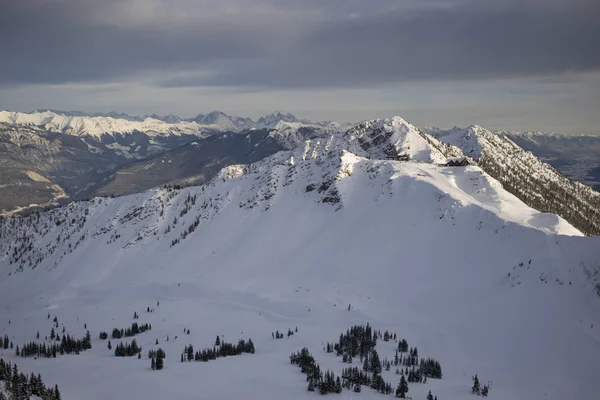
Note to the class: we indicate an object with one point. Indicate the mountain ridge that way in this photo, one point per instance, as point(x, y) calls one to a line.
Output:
point(319, 238)
point(391, 138)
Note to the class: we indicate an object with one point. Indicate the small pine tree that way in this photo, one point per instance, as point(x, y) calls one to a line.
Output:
point(429, 396)
point(402, 388)
point(109, 345)
point(159, 360)
point(485, 390)
point(153, 364)
point(476, 388)
point(218, 341)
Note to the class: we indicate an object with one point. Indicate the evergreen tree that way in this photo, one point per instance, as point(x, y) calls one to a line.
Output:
point(429, 396)
point(485, 390)
point(476, 388)
point(109, 345)
point(218, 341)
point(402, 388)
point(153, 364)
point(159, 359)
point(375, 363)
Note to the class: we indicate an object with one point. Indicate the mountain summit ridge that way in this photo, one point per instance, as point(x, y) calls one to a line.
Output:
point(340, 229)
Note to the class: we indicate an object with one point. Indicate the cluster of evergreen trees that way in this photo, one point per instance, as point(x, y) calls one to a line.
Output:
point(431, 368)
point(353, 377)
point(21, 387)
point(357, 341)
point(67, 345)
point(360, 341)
point(157, 359)
point(478, 389)
point(280, 335)
point(6, 343)
point(127, 349)
point(430, 396)
point(128, 332)
point(317, 380)
point(387, 336)
point(221, 349)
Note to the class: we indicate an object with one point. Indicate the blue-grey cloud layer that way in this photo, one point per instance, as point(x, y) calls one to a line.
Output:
point(297, 44)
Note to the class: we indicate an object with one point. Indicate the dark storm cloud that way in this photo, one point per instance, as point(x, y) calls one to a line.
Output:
point(302, 44)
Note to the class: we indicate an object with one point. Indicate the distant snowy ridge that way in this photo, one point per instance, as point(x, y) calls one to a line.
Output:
point(79, 124)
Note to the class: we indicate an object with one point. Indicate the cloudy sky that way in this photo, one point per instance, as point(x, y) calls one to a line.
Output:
point(512, 64)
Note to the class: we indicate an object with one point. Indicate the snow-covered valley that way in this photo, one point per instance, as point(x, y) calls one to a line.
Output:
point(323, 237)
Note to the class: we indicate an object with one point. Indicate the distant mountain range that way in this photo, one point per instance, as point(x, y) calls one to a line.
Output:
point(49, 157)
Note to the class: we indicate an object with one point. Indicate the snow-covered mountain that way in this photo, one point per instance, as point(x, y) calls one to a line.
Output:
point(75, 155)
point(100, 124)
point(333, 233)
point(576, 156)
point(523, 174)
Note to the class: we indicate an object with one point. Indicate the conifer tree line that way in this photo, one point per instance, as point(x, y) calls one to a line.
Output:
point(6, 343)
point(21, 386)
point(135, 329)
point(317, 380)
point(352, 377)
point(221, 349)
point(280, 335)
point(66, 345)
point(127, 349)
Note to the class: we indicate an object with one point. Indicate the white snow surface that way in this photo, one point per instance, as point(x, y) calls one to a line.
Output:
point(439, 255)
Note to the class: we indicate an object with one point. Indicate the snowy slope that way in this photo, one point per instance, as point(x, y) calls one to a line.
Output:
point(439, 255)
point(530, 179)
